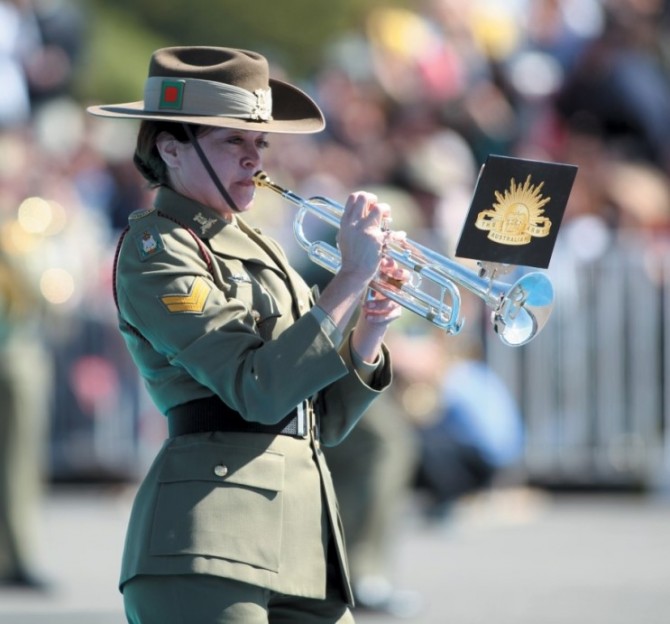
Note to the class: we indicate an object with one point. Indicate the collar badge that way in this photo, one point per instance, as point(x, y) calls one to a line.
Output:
point(204, 223)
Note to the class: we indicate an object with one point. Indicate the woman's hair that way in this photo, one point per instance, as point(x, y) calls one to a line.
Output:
point(147, 159)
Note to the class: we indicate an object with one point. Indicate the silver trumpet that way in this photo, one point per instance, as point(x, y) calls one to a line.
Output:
point(519, 310)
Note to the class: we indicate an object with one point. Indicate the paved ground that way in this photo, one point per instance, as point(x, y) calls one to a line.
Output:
point(517, 557)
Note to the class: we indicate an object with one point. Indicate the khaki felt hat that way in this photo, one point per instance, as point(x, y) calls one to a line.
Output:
point(222, 87)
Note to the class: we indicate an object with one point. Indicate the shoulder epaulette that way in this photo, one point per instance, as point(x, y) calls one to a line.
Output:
point(202, 248)
point(140, 214)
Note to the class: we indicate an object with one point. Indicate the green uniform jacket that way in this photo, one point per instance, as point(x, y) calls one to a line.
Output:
point(234, 320)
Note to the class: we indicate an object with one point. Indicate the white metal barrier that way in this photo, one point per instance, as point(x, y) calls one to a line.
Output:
point(593, 386)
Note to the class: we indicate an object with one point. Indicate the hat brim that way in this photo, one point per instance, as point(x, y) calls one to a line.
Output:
point(293, 111)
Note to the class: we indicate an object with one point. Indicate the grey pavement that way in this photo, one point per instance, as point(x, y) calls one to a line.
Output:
point(512, 557)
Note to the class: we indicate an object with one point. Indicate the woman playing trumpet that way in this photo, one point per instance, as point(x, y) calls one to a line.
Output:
point(236, 520)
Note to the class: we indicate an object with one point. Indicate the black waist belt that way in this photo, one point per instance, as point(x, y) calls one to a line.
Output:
point(212, 414)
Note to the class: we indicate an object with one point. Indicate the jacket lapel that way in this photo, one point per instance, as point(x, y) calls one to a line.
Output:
point(294, 283)
point(233, 242)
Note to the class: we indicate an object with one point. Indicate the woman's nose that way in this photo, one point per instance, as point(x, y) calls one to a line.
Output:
point(252, 157)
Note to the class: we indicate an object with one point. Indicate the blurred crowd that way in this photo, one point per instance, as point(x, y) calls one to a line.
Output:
point(415, 100)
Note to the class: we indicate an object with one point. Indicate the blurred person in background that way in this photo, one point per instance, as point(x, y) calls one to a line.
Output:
point(372, 472)
point(19, 38)
point(384, 96)
point(40, 44)
point(25, 382)
point(620, 89)
point(475, 436)
point(51, 68)
point(237, 519)
point(25, 372)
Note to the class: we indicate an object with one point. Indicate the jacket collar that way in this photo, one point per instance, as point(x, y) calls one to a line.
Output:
point(229, 238)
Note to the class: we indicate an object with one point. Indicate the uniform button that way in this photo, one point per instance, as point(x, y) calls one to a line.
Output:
point(220, 470)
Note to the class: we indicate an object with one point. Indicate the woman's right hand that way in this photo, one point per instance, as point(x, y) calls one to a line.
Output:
point(362, 235)
point(361, 239)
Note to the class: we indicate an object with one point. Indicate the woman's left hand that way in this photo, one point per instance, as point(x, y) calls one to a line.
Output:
point(379, 309)
point(377, 313)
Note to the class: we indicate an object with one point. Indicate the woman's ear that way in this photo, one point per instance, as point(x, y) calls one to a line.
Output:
point(168, 148)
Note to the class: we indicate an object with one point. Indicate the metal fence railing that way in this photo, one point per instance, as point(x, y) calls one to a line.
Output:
point(592, 386)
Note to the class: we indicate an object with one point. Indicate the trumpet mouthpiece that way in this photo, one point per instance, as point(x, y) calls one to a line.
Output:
point(260, 177)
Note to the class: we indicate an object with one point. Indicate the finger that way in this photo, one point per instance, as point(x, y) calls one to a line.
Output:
point(382, 311)
point(384, 211)
point(391, 268)
point(359, 203)
point(380, 304)
point(396, 236)
point(380, 214)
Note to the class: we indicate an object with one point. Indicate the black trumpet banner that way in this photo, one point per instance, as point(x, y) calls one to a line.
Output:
point(516, 211)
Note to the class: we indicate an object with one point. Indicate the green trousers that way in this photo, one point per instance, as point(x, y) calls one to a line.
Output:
point(201, 599)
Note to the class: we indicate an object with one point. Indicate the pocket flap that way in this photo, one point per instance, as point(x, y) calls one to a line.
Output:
point(224, 463)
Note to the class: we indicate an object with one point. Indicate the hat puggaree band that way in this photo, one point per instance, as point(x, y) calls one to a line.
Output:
point(207, 98)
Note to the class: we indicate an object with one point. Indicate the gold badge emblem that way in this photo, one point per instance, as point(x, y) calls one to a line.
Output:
point(517, 215)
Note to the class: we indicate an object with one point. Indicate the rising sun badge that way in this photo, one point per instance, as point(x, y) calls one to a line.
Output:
point(517, 216)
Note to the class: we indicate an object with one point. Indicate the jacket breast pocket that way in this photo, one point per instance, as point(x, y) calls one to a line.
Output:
point(221, 501)
point(247, 288)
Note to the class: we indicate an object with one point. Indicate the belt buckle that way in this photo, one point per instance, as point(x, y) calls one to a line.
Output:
point(302, 414)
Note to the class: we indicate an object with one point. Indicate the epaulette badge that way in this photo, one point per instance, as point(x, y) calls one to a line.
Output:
point(149, 242)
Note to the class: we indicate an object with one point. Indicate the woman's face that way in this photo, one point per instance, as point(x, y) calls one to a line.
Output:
point(235, 155)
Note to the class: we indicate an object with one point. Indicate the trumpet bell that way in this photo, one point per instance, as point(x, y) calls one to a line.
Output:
point(524, 310)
